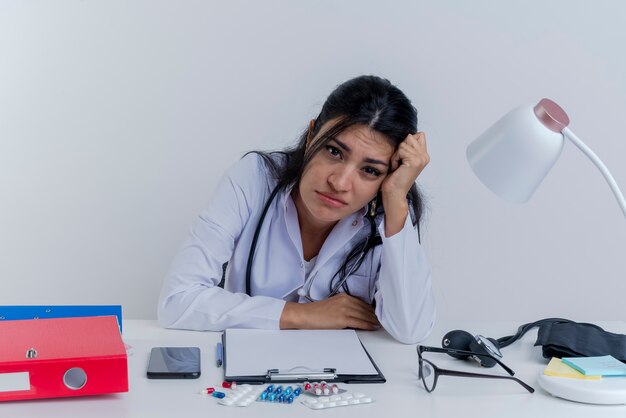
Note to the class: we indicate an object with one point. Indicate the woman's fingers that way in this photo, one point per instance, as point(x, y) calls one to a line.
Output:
point(338, 312)
point(406, 164)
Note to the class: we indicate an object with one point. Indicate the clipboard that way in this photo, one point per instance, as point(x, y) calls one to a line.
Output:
point(256, 356)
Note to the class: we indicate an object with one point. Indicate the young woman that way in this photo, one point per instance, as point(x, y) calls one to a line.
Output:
point(321, 235)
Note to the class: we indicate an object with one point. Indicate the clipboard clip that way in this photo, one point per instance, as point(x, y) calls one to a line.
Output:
point(301, 374)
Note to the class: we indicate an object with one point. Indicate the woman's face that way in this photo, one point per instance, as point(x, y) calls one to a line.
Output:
point(344, 175)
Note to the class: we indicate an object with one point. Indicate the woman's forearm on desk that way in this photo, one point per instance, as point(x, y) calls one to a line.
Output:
point(405, 303)
point(215, 309)
point(338, 312)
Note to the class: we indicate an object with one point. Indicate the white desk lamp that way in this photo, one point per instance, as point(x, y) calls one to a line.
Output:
point(512, 158)
point(514, 155)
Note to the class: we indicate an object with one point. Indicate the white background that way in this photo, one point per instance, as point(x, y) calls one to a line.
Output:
point(117, 118)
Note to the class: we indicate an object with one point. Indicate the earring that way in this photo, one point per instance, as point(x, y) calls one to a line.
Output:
point(373, 208)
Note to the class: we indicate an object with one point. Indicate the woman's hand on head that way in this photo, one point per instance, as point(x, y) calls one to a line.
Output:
point(406, 164)
point(337, 312)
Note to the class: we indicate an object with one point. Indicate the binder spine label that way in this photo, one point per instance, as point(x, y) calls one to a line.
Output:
point(13, 382)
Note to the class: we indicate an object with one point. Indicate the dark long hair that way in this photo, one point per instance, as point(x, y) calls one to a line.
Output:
point(366, 100)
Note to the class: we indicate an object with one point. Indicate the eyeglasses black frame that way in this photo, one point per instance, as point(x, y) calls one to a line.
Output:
point(446, 372)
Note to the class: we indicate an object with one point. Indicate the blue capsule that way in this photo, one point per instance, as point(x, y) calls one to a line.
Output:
point(281, 398)
point(219, 395)
point(297, 391)
point(263, 396)
point(278, 390)
point(288, 390)
point(272, 396)
point(291, 398)
point(270, 388)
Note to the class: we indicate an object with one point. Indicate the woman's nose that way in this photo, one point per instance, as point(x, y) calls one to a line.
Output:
point(341, 179)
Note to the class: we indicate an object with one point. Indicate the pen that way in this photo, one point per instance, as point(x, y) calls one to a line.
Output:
point(219, 354)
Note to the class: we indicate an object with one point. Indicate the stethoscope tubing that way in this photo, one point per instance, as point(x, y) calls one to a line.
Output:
point(335, 290)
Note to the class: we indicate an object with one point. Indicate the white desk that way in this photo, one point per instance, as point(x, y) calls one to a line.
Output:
point(402, 395)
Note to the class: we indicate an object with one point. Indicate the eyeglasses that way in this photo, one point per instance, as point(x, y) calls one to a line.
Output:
point(429, 373)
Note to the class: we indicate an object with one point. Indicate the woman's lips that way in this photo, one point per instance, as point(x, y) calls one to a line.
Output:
point(330, 200)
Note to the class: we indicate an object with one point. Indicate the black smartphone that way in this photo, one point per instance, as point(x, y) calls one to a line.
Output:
point(174, 363)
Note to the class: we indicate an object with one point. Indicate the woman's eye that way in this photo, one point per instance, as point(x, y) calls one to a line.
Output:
point(333, 151)
point(372, 171)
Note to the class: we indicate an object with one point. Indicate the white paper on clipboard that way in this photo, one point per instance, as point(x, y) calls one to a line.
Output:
point(252, 352)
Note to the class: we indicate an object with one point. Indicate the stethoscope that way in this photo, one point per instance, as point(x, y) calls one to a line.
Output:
point(305, 291)
point(372, 240)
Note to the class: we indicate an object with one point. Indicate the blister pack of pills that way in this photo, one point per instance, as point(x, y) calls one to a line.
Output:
point(241, 395)
point(279, 394)
point(346, 399)
point(321, 389)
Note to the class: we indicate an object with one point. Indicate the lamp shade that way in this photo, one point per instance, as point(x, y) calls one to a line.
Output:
point(514, 155)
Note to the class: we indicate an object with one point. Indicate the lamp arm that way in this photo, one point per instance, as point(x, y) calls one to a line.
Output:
point(605, 171)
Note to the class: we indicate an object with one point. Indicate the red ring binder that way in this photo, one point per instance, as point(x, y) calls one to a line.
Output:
point(61, 357)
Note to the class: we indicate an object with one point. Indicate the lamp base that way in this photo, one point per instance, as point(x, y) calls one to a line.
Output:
point(607, 391)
